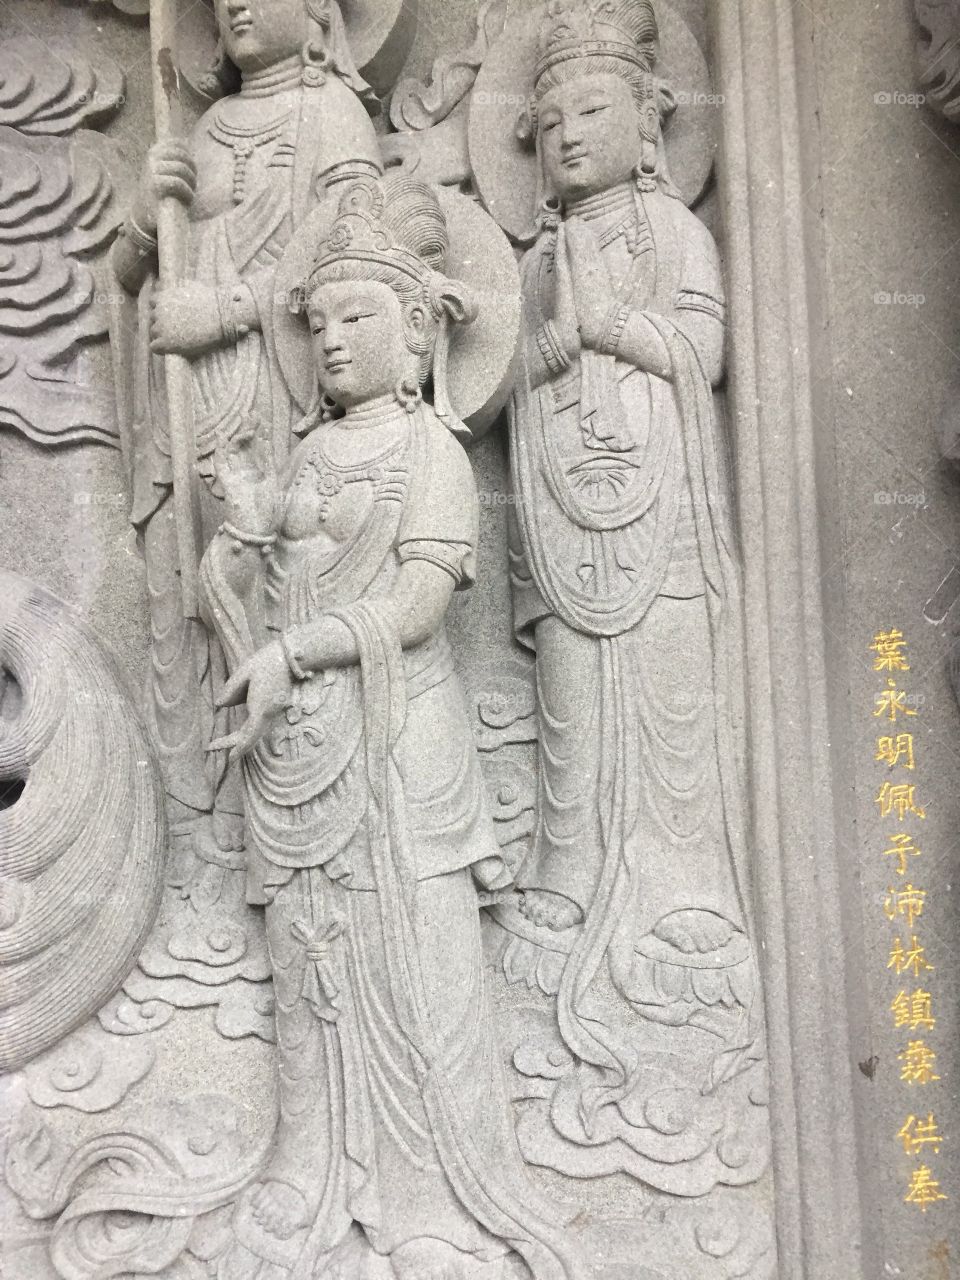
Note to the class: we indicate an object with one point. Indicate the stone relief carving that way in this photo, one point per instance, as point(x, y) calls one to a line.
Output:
point(82, 847)
point(59, 211)
point(939, 55)
point(456, 965)
point(633, 912)
point(328, 585)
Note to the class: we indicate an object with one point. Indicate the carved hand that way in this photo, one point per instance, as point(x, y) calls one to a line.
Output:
point(246, 475)
point(185, 320)
point(265, 683)
point(170, 172)
point(592, 290)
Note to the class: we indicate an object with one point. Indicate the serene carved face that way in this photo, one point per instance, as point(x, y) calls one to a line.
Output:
point(259, 33)
point(358, 340)
point(589, 135)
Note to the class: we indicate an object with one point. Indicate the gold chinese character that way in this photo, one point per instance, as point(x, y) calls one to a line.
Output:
point(915, 958)
point(892, 750)
point(917, 1134)
point(918, 1064)
point(902, 847)
point(924, 1189)
point(907, 902)
point(914, 1010)
point(888, 646)
point(900, 796)
point(891, 701)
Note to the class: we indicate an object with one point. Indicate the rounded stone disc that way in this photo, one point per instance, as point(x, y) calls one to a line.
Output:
point(380, 33)
point(505, 169)
point(483, 355)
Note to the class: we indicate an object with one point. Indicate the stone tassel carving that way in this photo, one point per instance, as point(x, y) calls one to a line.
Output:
point(81, 845)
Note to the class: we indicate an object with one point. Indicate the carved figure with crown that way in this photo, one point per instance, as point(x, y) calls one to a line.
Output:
point(368, 833)
point(291, 120)
point(296, 121)
point(625, 585)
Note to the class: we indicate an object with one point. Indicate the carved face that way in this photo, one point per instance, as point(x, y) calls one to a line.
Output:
point(259, 33)
point(359, 346)
point(589, 135)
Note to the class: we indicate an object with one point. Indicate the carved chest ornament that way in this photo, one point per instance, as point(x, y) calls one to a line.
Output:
point(244, 141)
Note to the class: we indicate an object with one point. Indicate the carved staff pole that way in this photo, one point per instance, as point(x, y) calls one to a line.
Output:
point(172, 233)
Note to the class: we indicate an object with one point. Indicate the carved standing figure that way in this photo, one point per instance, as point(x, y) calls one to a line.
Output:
point(257, 163)
point(367, 828)
point(625, 585)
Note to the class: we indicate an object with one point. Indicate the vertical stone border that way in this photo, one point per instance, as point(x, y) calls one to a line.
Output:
point(783, 466)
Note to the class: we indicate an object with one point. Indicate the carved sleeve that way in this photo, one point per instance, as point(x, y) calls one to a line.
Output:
point(441, 524)
point(700, 303)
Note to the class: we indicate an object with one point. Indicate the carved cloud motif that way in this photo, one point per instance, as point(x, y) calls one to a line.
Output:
point(58, 213)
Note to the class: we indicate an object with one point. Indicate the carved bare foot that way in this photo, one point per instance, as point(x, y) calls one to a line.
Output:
point(427, 1259)
point(549, 910)
point(228, 831)
point(694, 931)
point(279, 1209)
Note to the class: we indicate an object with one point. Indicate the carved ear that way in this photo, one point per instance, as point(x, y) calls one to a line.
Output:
point(666, 100)
point(454, 299)
point(527, 125)
point(415, 324)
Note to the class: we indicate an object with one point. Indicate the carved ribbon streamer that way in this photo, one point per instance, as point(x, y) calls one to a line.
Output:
point(498, 1198)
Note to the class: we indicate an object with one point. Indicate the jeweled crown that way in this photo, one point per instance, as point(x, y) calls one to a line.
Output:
point(395, 221)
point(574, 29)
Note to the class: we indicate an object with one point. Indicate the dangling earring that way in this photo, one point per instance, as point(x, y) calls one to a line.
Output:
point(329, 409)
point(408, 393)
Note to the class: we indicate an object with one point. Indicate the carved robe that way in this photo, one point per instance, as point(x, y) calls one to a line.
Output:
point(625, 585)
point(369, 830)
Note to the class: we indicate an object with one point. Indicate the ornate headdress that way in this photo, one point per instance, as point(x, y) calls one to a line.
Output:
point(618, 36)
point(575, 29)
point(396, 224)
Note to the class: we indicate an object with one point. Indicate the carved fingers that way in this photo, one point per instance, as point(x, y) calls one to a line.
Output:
point(244, 468)
point(590, 282)
point(171, 173)
point(265, 683)
point(185, 320)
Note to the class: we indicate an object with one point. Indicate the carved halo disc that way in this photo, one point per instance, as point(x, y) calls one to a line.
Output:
point(482, 355)
point(380, 33)
point(505, 170)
